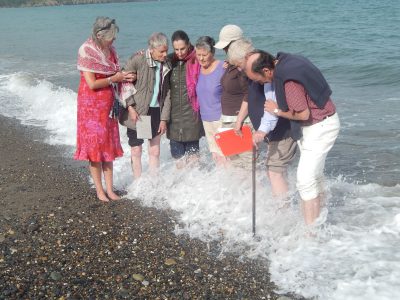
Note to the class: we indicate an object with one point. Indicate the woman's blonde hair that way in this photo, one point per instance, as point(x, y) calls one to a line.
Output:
point(104, 28)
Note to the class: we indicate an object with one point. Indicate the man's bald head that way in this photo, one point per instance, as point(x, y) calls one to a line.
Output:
point(260, 66)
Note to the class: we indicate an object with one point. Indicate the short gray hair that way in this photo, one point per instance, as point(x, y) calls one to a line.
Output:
point(207, 43)
point(157, 39)
point(104, 28)
point(238, 50)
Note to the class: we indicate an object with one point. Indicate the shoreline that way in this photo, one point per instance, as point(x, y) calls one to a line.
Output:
point(43, 3)
point(57, 240)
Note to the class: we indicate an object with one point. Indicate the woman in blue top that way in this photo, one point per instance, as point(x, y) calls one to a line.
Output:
point(209, 91)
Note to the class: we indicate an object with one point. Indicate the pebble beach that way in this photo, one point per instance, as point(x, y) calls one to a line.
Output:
point(57, 241)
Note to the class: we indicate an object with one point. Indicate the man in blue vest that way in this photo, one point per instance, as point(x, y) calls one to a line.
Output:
point(303, 97)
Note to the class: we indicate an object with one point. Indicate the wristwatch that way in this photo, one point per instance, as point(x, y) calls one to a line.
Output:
point(276, 111)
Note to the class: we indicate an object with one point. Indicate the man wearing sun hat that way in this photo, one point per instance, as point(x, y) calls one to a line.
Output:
point(228, 34)
point(234, 91)
point(276, 131)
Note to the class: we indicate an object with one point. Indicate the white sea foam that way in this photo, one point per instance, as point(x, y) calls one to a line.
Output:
point(353, 256)
point(353, 253)
point(39, 102)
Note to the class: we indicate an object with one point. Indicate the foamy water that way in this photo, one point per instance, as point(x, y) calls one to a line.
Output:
point(353, 253)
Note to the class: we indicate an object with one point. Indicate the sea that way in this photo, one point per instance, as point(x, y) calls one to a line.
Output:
point(354, 249)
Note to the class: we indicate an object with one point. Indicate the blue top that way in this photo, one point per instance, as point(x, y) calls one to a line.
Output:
point(268, 121)
point(156, 91)
point(209, 91)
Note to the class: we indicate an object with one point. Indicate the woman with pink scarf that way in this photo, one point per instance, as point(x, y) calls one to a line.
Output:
point(185, 127)
point(97, 131)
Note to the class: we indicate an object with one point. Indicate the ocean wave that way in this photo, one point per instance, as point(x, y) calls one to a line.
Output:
point(40, 102)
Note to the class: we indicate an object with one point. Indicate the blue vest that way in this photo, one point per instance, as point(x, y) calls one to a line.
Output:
point(298, 68)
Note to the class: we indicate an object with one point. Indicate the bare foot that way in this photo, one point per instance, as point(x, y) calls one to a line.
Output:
point(103, 198)
point(180, 163)
point(113, 196)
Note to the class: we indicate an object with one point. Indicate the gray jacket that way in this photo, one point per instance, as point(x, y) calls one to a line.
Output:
point(144, 66)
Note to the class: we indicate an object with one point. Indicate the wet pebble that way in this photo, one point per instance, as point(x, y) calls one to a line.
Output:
point(124, 293)
point(170, 262)
point(145, 282)
point(55, 276)
point(138, 277)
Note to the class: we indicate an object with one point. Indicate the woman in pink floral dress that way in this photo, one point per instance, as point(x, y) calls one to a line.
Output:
point(97, 132)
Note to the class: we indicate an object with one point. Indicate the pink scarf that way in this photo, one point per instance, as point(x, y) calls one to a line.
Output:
point(92, 59)
point(192, 75)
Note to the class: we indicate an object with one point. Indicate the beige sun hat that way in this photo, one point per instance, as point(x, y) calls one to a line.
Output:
point(228, 34)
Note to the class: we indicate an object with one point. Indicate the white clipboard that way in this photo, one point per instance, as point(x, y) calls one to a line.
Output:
point(143, 128)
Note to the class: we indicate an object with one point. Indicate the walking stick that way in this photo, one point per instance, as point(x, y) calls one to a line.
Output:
point(253, 177)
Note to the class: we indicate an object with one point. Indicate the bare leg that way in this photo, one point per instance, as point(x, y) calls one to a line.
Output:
point(321, 186)
point(108, 176)
point(311, 209)
point(136, 161)
point(95, 172)
point(180, 163)
point(188, 160)
point(279, 184)
point(154, 155)
point(219, 160)
point(192, 159)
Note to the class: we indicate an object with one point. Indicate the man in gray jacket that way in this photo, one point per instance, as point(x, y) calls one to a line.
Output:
point(151, 99)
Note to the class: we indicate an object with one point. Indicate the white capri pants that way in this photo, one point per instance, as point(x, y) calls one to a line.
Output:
point(314, 146)
point(211, 128)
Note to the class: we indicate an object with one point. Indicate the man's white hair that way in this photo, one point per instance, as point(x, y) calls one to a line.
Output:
point(157, 39)
point(238, 50)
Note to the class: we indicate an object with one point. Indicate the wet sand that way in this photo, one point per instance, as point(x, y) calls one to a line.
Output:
point(57, 241)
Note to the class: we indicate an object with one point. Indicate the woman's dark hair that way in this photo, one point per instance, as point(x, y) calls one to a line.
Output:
point(180, 35)
point(264, 60)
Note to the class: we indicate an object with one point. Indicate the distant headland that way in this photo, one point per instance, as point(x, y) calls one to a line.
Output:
point(30, 3)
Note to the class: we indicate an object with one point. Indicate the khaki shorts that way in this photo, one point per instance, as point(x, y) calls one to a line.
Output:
point(280, 154)
point(211, 128)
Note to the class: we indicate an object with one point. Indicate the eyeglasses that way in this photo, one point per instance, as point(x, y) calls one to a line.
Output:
point(106, 27)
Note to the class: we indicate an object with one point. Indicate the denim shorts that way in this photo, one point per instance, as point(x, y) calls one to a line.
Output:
point(180, 149)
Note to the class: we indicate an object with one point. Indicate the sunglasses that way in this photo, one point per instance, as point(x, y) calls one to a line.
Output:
point(106, 27)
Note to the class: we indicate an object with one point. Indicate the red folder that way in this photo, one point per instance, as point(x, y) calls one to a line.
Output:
point(230, 143)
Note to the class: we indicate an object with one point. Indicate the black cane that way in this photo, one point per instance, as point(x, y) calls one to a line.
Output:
point(253, 177)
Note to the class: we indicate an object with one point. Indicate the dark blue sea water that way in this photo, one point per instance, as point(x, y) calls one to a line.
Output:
point(355, 44)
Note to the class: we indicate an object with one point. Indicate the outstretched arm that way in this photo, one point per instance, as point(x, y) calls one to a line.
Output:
point(98, 83)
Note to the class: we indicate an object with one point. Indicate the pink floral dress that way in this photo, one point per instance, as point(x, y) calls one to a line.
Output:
point(97, 133)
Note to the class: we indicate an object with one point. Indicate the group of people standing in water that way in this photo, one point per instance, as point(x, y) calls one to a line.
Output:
point(189, 94)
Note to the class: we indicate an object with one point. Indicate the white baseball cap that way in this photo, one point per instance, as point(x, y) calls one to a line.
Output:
point(228, 34)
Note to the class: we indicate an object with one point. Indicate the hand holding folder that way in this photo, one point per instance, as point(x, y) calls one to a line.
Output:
point(230, 143)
